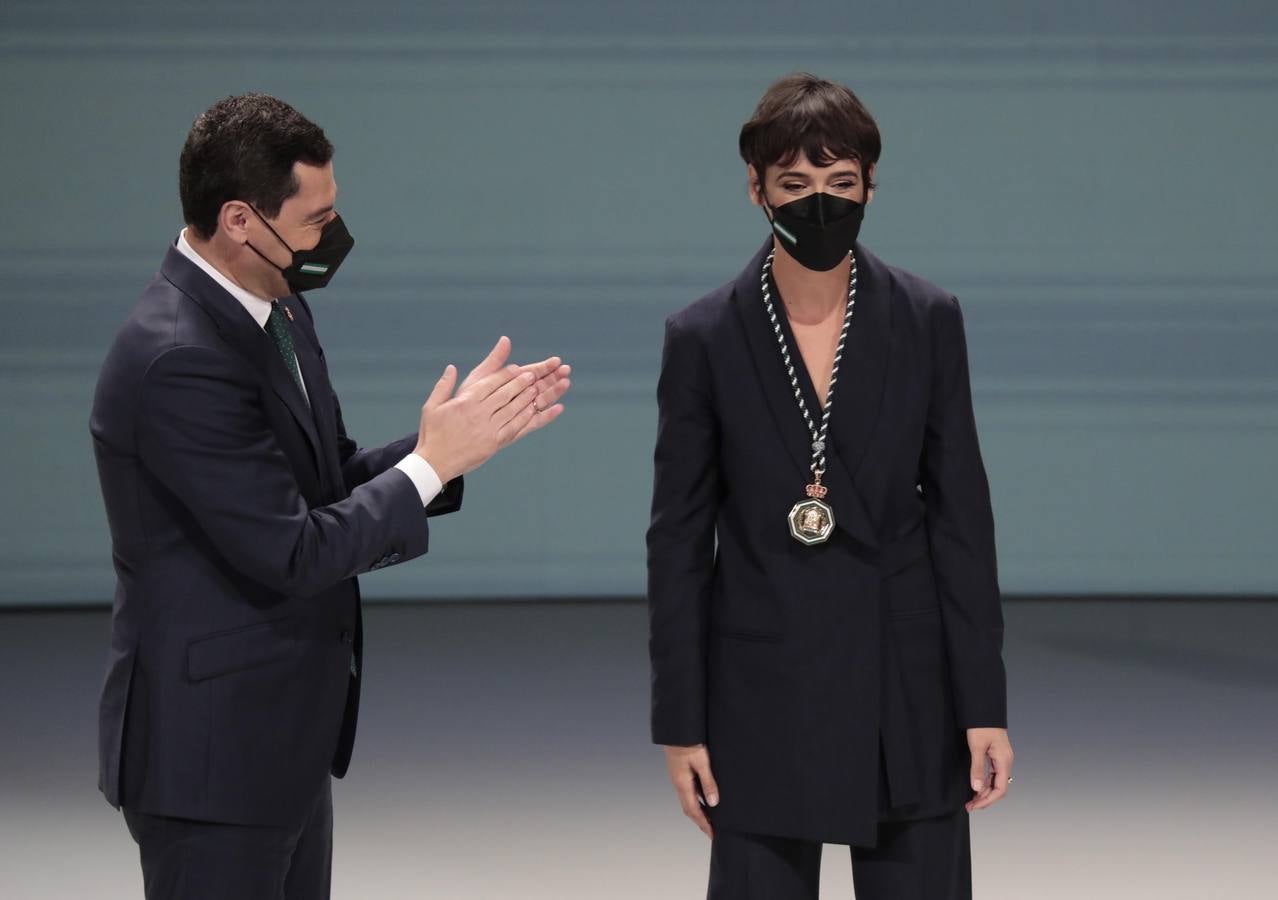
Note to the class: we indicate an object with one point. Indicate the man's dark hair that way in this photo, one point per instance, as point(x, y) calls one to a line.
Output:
point(805, 114)
point(244, 148)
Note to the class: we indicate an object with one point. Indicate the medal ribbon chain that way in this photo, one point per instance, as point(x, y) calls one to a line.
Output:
point(818, 435)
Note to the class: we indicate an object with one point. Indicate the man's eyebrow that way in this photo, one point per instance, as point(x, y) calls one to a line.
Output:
point(846, 173)
point(792, 174)
point(319, 213)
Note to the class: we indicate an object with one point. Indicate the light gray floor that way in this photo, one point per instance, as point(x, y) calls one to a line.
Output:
point(503, 754)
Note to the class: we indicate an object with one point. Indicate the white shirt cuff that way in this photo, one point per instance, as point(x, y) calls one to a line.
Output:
point(422, 475)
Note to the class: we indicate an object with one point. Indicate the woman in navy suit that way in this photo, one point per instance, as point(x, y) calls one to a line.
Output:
point(826, 629)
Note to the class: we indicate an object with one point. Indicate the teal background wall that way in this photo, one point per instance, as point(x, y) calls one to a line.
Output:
point(1095, 181)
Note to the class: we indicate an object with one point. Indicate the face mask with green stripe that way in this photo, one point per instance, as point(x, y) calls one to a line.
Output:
point(312, 269)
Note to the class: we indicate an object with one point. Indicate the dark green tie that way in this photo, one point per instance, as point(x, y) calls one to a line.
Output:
point(277, 328)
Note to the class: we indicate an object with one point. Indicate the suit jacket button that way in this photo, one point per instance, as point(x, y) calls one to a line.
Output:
point(348, 637)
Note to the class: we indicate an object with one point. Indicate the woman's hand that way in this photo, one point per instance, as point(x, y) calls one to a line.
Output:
point(693, 782)
point(989, 745)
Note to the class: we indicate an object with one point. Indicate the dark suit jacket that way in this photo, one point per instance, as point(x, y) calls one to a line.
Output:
point(831, 683)
point(239, 519)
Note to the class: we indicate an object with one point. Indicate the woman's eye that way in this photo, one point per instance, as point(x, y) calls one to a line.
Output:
point(794, 186)
point(844, 185)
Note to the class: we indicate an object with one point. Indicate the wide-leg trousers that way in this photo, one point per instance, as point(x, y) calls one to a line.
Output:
point(926, 859)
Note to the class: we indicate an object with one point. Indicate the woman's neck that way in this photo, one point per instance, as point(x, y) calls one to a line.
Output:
point(810, 297)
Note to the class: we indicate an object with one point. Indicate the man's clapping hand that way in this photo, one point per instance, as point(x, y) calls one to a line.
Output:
point(496, 405)
point(552, 383)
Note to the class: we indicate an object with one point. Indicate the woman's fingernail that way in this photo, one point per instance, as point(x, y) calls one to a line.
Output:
point(976, 785)
point(713, 799)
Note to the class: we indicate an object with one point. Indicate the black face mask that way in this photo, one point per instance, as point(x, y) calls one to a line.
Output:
point(312, 269)
point(817, 230)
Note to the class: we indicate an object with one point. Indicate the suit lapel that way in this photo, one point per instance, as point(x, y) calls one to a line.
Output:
point(242, 331)
point(320, 392)
point(849, 510)
point(863, 372)
point(775, 383)
point(281, 381)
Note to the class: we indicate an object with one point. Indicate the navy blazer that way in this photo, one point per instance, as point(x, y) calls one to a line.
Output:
point(831, 683)
point(240, 516)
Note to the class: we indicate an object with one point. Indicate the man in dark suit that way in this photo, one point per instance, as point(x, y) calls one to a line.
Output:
point(241, 513)
point(825, 620)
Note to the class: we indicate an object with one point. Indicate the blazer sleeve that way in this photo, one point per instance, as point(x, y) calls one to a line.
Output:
point(200, 431)
point(681, 541)
point(960, 525)
point(361, 464)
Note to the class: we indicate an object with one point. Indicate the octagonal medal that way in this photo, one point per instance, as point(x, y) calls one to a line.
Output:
point(811, 521)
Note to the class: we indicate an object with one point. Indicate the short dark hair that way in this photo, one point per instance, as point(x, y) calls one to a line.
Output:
point(805, 114)
point(244, 148)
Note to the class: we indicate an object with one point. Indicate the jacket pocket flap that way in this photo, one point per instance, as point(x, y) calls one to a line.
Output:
point(736, 633)
point(241, 648)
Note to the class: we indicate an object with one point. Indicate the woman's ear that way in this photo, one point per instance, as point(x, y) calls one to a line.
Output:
point(752, 186)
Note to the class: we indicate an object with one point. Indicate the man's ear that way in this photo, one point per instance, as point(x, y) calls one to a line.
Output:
point(233, 220)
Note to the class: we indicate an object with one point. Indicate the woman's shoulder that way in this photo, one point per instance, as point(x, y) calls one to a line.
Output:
point(906, 286)
point(916, 304)
point(706, 316)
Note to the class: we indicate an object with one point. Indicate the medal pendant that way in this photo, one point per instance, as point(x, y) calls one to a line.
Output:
point(812, 520)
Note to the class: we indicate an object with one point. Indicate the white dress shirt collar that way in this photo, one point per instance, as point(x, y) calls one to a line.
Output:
point(258, 308)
